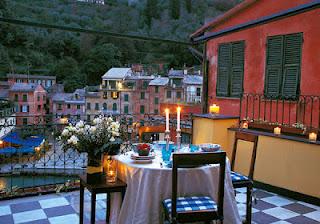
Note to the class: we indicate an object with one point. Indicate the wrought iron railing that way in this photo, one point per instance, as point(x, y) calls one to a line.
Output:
point(303, 112)
point(32, 159)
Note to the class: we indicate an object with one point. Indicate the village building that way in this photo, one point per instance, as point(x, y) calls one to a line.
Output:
point(30, 103)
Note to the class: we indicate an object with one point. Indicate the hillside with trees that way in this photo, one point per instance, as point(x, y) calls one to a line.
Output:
point(79, 59)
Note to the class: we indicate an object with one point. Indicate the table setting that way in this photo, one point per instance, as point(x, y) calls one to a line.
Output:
point(147, 171)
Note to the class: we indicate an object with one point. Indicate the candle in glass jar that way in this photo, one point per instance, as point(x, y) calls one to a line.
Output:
point(167, 120)
point(312, 136)
point(277, 130)
point(245, 125)
point(178, 118)
point(214, 109)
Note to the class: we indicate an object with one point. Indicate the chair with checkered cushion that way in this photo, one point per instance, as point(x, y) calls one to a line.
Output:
point(239, 180)
point(195, 208)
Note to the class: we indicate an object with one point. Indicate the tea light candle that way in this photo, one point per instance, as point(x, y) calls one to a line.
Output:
point(277, 130)
point(245, 125)
point(178, 118)
point(167, 119)
point(312, 136)
point(214, 109)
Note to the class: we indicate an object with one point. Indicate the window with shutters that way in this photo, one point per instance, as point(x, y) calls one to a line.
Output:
point(126, 109)
point(114, 107)
point(142, 95)
point(126, 97)
point(283, 63)
point(230, 69)
point(141, 109)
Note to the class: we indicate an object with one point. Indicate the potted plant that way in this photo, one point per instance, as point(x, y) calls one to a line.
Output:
point(102, 136)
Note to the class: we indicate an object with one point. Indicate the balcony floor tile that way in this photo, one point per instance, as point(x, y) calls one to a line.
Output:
point(64, 208)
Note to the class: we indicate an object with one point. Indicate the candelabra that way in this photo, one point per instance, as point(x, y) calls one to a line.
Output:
point(167, 138)
point(178, 139)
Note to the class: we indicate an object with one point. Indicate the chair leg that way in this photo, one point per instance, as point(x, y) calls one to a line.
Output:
point(249, 204)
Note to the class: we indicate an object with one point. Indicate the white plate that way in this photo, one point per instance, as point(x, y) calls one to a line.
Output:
point(142, 161)
point(136, 157)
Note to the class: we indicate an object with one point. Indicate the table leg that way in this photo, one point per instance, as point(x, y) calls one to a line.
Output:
point(93, 208)
point(108, 208)
point(81, 203)
point(123, 193)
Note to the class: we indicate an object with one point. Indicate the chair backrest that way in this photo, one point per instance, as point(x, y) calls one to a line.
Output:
point(183, 160)
point(249, 138)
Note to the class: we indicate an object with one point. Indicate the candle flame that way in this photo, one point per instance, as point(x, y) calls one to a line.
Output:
point(178, 109)
point(167, 110)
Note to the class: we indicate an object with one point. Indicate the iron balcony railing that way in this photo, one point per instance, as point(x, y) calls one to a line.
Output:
point(32, 159)
point(302, 112)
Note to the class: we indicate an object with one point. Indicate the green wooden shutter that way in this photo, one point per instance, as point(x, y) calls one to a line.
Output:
point(292, 60)
point(224, 62)
point(237, 68)
point(273, 74)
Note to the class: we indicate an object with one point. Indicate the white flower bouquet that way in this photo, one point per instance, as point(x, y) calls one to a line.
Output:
point(102, 136)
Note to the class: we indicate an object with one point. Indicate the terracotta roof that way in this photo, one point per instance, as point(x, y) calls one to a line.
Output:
point(10, 75)
point(117, 73)
point(160, 81)
point(175, 73)
point(232, 12)
point(24, 87)
point(193, 80)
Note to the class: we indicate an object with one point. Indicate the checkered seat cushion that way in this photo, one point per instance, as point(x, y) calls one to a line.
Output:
point(185, 204)
point(238, 177)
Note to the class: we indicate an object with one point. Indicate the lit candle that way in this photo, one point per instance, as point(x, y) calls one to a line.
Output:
point(214, 109)
point(245, 124)
point(277, 130)
point(178, 118)
point(312, 136)
point(167, 120)
point(1, 142)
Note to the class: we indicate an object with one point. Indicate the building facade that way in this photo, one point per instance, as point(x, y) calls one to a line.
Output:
point(30, 103)
point(69, 105)
point(269, 51)
point(45, 81)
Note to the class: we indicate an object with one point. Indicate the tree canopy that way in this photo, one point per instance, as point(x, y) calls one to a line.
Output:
point(80, 59)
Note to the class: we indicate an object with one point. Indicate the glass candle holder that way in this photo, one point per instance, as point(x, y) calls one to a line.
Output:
point(277, 130)
point(245, 125)
point(111, 164)
point(312, 136)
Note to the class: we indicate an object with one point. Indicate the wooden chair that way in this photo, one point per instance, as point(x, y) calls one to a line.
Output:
point(239, 180)
point(195, 208)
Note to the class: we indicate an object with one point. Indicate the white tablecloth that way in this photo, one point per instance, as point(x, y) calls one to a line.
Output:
point(150, 184)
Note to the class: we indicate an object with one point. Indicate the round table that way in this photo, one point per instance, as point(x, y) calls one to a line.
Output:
point(149, 184)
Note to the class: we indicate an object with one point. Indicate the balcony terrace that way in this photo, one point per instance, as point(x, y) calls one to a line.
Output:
point(48, 170)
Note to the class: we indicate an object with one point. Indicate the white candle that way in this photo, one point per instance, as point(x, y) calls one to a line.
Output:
point(277, 130)
point(167, 120)
point(178, 118)
point(313, 136)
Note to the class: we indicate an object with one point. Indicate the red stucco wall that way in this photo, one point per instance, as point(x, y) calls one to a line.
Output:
point(255, 50)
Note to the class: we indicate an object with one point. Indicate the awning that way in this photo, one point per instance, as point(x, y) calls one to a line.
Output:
point(31, 141)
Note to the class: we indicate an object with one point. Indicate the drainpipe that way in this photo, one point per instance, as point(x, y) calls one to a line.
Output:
point(205, 69)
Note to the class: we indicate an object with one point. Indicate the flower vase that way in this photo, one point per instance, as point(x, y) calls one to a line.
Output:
point(94, 167)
